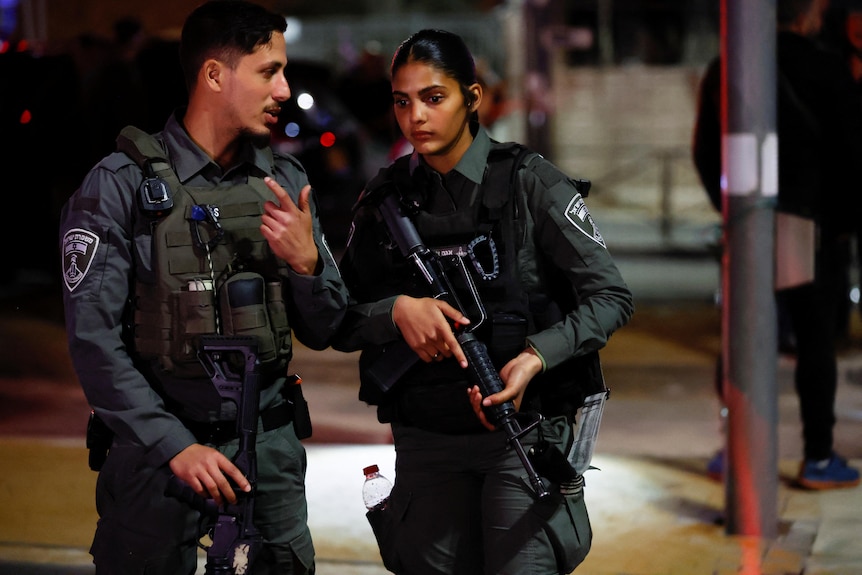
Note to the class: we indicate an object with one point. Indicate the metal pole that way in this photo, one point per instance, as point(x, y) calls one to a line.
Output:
point(750, 167)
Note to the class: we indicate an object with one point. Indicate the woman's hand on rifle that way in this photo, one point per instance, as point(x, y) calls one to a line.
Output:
point(515, 375)
point(426, 325)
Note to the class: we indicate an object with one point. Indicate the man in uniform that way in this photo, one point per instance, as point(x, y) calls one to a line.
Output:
point(200, 229)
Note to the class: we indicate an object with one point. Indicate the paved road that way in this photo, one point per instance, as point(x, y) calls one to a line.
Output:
point(659, 429)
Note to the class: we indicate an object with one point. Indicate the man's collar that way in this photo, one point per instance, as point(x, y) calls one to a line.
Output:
point(192, 159)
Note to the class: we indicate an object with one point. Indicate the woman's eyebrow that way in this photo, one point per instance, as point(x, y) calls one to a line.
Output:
point(432, 88)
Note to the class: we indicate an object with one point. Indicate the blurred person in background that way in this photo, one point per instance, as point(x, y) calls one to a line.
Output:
point(820, 142)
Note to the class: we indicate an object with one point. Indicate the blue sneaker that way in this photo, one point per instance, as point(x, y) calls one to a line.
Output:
point(715, 466)
point(830, 473)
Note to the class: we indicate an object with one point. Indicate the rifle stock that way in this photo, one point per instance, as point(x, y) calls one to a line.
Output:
point(233, 366)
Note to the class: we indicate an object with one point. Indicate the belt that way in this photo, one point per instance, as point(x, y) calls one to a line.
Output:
point(217, 432)
point(439, 408)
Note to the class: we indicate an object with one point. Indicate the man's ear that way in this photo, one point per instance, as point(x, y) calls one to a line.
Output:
point(212, 74)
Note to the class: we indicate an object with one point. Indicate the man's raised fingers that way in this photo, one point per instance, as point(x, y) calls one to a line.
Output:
point(284, 199)
point(304, 197)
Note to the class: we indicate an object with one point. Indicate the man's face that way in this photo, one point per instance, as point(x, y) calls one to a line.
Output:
point(255, 89)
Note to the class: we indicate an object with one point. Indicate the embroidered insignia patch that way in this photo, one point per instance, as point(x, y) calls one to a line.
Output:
point(79, 248)
point(577, 213)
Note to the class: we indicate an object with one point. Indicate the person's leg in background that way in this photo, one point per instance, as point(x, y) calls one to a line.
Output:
point(812, 310)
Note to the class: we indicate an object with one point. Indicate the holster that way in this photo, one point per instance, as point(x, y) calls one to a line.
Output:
point(99, 440)
point(301, 415)
point(381, 519)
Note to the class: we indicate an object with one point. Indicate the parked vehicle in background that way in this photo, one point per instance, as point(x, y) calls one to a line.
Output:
point(317, 128)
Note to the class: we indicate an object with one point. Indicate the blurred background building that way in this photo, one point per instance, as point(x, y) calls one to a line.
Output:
point(607, 89)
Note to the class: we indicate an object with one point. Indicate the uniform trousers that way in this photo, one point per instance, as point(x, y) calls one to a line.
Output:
point(143, 531)
point(463, 505)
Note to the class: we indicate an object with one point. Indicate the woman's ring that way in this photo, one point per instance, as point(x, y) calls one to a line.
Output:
point(436, 355)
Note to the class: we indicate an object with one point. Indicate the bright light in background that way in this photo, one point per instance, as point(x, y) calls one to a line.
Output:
point(327, 139)
point(854, 294)
point(305, 101)
point(291, 130)
point(293, 32)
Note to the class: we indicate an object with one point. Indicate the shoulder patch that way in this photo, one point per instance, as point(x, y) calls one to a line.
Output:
point(577, 213)
point(79, 248)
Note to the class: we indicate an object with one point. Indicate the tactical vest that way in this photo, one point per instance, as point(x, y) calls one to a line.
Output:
point(208, 268)
point(490, 237)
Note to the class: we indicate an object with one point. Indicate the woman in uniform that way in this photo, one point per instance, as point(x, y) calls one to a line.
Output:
point(525, 272)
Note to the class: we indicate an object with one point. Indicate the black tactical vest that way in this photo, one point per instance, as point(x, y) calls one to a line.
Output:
point(207, 267)
point(489, 237)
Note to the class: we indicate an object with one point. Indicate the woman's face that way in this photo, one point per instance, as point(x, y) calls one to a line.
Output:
point(432, 114)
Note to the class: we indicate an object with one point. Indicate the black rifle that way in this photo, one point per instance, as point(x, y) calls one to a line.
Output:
point(481, 369)
point(233, 367)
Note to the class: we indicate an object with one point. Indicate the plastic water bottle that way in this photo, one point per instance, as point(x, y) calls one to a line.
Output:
point(375, 490)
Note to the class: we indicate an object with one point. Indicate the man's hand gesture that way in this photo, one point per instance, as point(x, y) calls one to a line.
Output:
point(287, 228)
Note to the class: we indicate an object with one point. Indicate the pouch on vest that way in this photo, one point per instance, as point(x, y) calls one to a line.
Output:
point(242, 303)
point(568, 528)
point(193, 314)
point(508, 337)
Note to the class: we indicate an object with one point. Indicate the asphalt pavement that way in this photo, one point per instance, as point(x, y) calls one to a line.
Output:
point(654, 511)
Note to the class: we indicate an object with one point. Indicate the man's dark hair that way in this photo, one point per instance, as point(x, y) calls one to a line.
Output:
point(225, 29)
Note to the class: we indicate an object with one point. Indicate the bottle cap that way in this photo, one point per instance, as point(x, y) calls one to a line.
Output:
point(370, 469)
